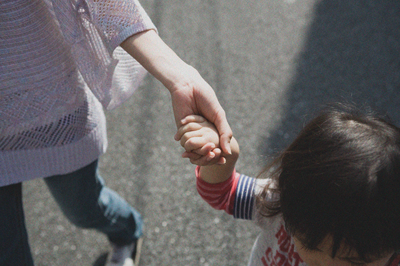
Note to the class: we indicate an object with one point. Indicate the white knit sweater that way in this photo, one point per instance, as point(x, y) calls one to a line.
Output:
point(60, 62)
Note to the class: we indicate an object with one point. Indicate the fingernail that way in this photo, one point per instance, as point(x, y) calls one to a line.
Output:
point(209, 158)
point(229, 150)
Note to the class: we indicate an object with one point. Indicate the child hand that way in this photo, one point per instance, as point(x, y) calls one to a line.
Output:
point(200, 140)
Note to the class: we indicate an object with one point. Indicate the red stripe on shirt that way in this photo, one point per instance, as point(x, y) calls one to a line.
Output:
point(220, 196)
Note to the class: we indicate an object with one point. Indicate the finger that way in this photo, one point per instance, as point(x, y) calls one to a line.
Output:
point(192, 118)
point(217, 158)
point(213, 154)
point(225, 131)
point(206, 149)
point(225, 142)
point(195, 155)
point(197, 138)
point(217, 152)
point(210, 156)
point(214, 157)
point(201, 161)
point(189, 135)
point(186, 128)
point(191, 155)
point(195, 143)
point(204, 162)
point(221, 161)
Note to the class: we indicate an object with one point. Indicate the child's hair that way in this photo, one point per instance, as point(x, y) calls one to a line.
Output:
point(340, 178)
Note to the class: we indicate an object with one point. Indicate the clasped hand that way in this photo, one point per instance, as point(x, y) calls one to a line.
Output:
point(201, 141)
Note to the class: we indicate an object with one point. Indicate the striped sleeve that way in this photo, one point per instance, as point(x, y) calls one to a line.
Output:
point(220, 196)
point(244, 198)
point(235, 195)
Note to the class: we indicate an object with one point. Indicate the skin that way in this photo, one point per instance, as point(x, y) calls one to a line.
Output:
point(197, 133)
point(322, 256)
point(190, 93)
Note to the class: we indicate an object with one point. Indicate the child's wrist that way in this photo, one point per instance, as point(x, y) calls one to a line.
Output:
point(212, 175)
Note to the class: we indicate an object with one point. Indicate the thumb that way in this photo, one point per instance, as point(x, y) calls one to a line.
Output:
point(225, 134)
point(225, 142)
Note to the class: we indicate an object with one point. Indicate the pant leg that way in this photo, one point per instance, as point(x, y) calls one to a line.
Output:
point(88, 203)
point(14, 246)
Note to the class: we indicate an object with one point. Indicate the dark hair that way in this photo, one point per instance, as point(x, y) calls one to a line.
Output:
point(340, 178)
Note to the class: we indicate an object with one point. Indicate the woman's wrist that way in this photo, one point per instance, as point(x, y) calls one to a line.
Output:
point(159, 59)
point(175, 74)
point(180, 77)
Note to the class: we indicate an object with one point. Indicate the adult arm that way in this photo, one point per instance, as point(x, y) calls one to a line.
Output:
point(190, 93)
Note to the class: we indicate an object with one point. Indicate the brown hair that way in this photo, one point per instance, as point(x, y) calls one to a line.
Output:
point(340, 177)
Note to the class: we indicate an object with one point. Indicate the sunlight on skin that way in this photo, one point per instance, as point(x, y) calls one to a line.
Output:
point(322, 256)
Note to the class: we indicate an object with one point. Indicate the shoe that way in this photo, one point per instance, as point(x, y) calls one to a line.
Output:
point(127, 255)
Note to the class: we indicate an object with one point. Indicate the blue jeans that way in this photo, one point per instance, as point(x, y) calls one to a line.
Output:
point(86, 202)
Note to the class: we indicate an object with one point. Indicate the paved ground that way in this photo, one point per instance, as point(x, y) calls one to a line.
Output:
point(272, 64)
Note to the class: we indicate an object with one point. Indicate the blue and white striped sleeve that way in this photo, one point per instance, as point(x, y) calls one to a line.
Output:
point(244, 198)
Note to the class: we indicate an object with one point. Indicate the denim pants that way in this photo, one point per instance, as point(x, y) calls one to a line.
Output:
point(86, 202)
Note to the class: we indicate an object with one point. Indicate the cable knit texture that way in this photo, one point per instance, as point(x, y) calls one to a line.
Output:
point(60, 64)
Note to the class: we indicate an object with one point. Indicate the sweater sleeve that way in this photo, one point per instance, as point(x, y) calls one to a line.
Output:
point(235, 195)
point(94, 29)
point(119, 19)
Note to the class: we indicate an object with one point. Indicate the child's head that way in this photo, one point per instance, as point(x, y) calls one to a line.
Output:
point(340, 180)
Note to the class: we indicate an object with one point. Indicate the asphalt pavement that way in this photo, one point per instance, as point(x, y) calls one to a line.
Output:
point(273, 64)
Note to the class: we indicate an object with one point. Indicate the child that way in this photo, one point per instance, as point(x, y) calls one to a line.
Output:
point(331, 198)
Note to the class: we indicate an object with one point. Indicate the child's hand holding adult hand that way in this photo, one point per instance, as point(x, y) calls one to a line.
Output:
point(200, 140)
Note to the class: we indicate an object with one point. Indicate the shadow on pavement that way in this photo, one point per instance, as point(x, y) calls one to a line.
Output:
point(351, 55)
point(101, 260)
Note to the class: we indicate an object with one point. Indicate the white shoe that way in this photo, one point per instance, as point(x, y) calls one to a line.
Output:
point(127, 255)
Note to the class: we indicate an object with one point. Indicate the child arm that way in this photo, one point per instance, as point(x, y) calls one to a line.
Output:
point(219, 184)
point(218, 173)
point(198, 133)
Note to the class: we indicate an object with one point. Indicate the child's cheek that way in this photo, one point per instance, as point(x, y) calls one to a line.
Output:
point(311, 258)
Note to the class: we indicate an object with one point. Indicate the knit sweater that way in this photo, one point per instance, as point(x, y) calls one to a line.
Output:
point(60, 65)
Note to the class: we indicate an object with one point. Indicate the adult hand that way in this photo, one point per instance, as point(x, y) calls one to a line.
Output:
point(195, 96)
point(190, 93)
point(199, 136)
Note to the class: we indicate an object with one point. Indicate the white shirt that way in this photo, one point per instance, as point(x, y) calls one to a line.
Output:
point(60, 64)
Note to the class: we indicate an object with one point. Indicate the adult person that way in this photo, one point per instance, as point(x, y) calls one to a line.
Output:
point(61, 64)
